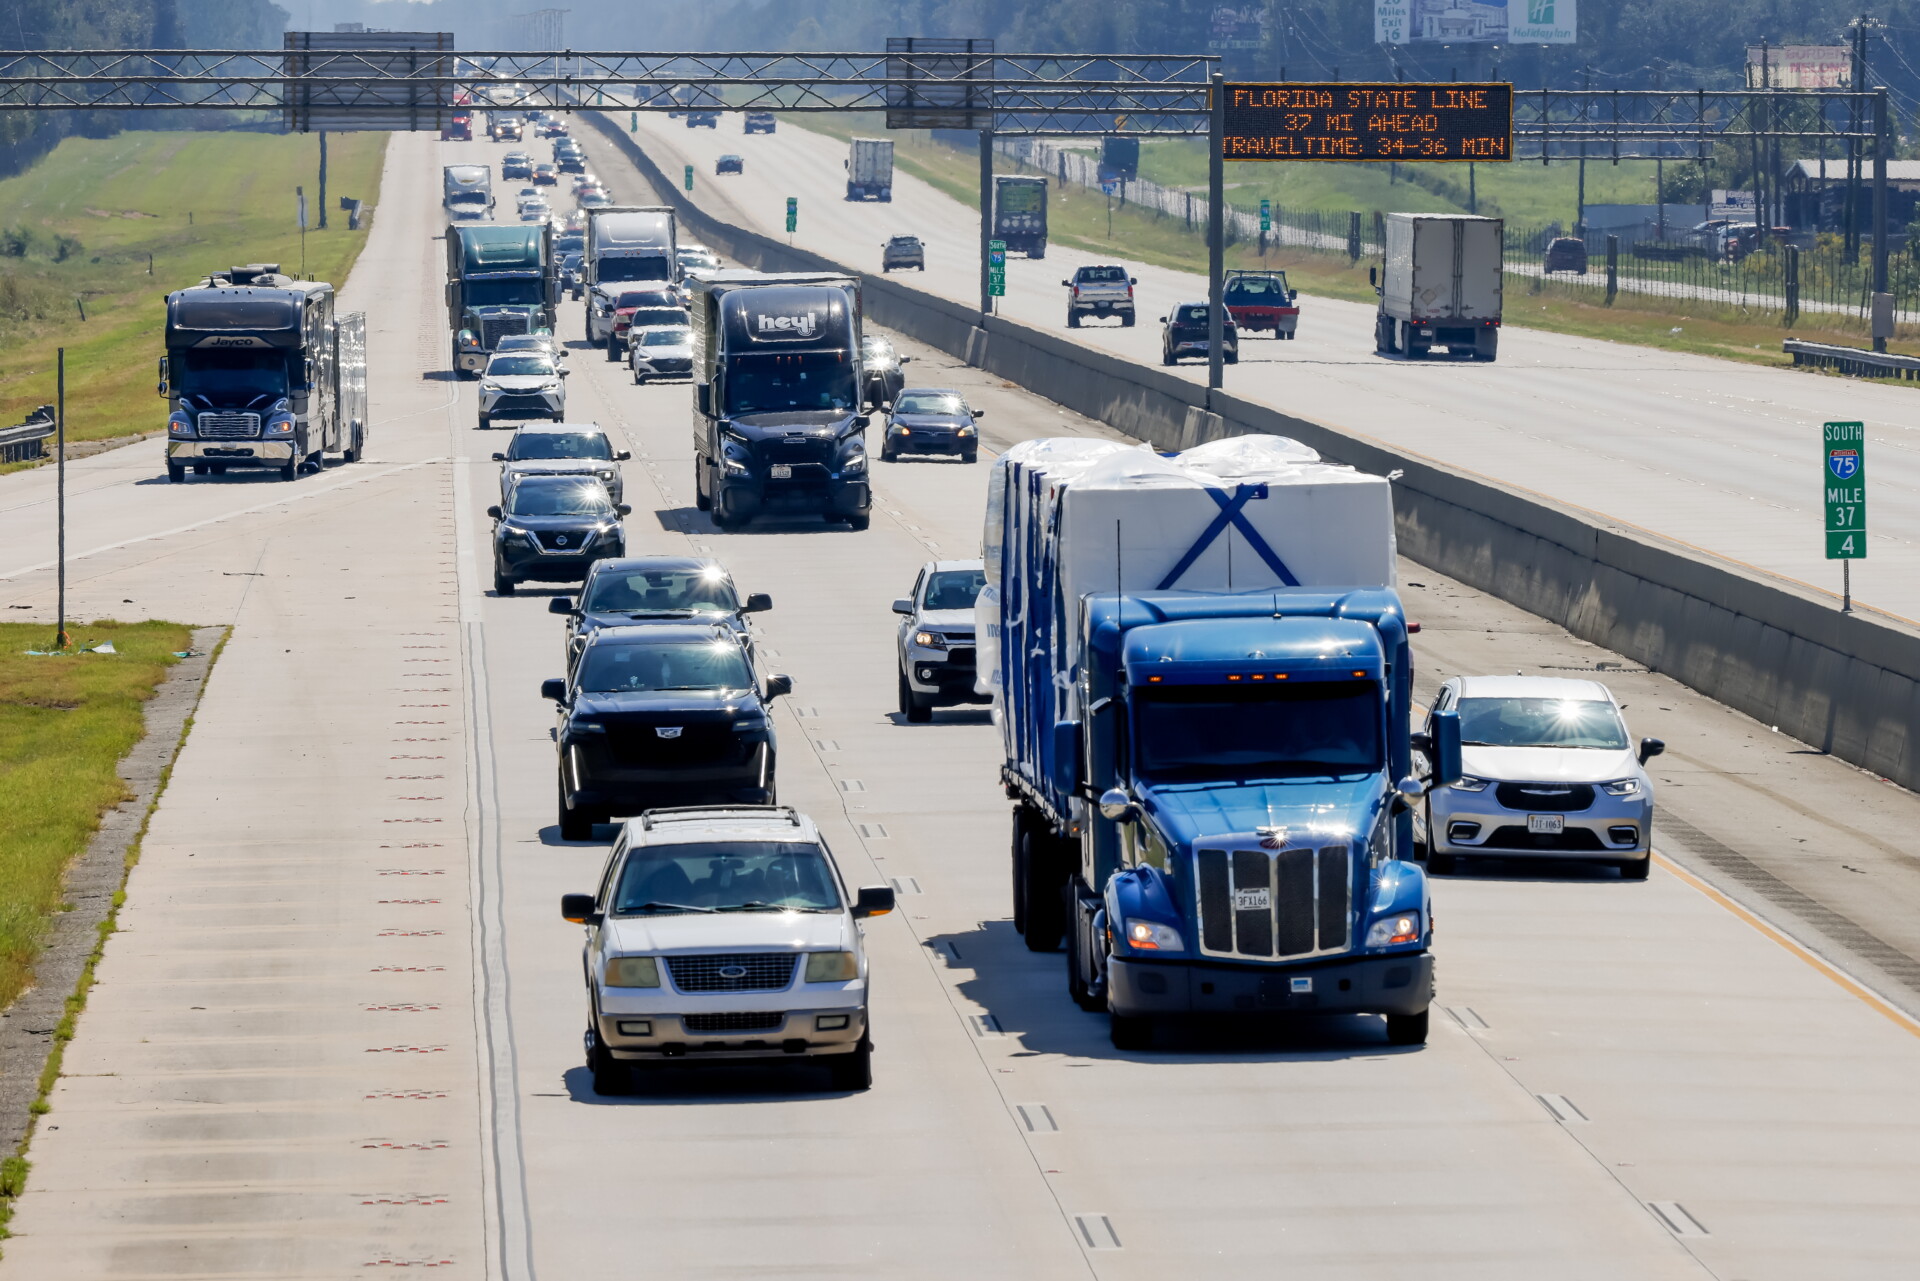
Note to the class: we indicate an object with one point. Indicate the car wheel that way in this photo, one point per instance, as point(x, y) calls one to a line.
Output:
point(1166, 357)
point(1073, 320)
point(916, 709)
point(860, 522)
point(575, 824)
point(485, 422)
point(1407, 1029)
point(503, 584)
point(610, 1076)
point(852, 1071)
point(969, 456)
point(1636, 870)
point(613, 350)
point(176, 473)
point(887, 455)
point(1231, 357)
point(1130, 1031)
point(1126, 321)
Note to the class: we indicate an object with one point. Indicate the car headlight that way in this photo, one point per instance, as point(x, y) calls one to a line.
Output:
point(180, 425)
point(604, 475)
point(964, 431)
point(930, 640)
point(490, 388)
point(278, 425)
point(551, 386)
point(1151, 936)
point(1402, 927)
point(854, 465)
point(1625, 787)
point(750, 725)
point(832, 967)
point(515, 534)
point(581, 726)
point(1468, 783)
point(633, 971)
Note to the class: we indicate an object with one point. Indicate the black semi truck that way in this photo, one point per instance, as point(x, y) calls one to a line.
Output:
point(777, 427)
point(260, 373)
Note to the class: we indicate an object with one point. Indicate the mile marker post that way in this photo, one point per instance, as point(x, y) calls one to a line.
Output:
point(1843, 483)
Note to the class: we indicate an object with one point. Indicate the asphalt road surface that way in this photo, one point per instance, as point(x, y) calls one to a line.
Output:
point(340, 1029)
point(1718, 456)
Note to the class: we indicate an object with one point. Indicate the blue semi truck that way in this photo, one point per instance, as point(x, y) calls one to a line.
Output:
point(1200, 669)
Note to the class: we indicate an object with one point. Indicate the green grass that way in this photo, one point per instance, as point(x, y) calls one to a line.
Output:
point(194, 202)
point(1078, 217)
point(65, 722)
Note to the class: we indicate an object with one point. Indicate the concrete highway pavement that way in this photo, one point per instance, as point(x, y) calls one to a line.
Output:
point(1719, 456)
point(1632, 1080)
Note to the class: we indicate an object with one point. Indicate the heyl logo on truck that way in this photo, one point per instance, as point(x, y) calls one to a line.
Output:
point(786, 327)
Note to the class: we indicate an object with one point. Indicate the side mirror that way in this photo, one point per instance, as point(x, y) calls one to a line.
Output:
point(779, 684)
point(494, 512)
point(1067, 283)
point(560, 605)
point(1163, 320)
point(1650, 748)
point(979, 413)
point(1373, 277)
point(873, 900)
point(623, 456)
point(553, 689)
point(863, 420)
point(1133, 280)
point(624, 509)
point(1445, 730)
point(565, 372)
point(1407, 792)
point(499, 457)
point(1066, 749)
point(578, 908)
point(758, 603)
point(162, 388)
point(906, 360)
point(903, 607)
point(1116, 806)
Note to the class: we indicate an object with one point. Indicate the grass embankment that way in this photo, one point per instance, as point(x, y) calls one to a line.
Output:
point(65, 722)
point(1078, 217)
point(81, 227)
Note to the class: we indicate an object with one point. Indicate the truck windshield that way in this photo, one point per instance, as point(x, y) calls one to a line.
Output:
point(1216, 733)
point(704, 590)
point(468, 198)
point(652, 668)
point(614, 270)
point(725, 876)
point(1541, 722)
point(773, 384)
point(503, 293)
point(226, 373)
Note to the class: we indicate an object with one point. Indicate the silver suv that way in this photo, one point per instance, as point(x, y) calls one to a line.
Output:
point(725, 933)
point(936, 642)
point(563, 449)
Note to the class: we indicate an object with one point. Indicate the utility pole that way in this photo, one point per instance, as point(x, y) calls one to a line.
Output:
point(1216, 230)
point(1580, 214)
point(1857, 83)
point(61, 640)
point(986, 219)
point(323, 180)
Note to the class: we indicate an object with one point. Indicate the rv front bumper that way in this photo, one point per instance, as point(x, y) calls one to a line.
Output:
point(1401, 984)
point(235, 453)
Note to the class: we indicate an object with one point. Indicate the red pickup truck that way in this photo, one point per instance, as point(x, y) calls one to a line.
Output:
point(1260, 302)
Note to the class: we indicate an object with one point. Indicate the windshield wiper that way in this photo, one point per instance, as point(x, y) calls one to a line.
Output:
point(669, 907)
point(761, 905)
point(657, 613)
point(662, 689)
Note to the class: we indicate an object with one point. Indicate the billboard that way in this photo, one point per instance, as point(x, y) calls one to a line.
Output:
point(1799, 66)
point(1475, 21)
point(381, 95)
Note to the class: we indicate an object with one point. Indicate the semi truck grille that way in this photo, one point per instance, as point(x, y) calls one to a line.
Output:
point(494, 328)
point(744, 1021)
point(1264, 904)
point(229, 426)
point(696, 747)
point(743, 971)
point(1545, 798)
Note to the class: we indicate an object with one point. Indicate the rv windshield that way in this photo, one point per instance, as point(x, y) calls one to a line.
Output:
point(503, 293)
point(1218, 733)
point(614, 270)
point(772, 384)
point(227, 373)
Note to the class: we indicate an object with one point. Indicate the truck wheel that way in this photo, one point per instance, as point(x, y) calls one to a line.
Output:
point(1407, 1029)
point(700, 500)
point(1130, 1031)
point(1044, 924)
point(1073, 320)
point(1077, 990)
point(1017, 861)
point(1439, 864)
point(912, 706)
point(860, 521)
point(1636, 870)
point(610, 1076)
point(352, 452)
point(575, 825)
point(176, 472)
point(852, 1071)
point(1037, 253)
point(291, 470)
point(1126, 321)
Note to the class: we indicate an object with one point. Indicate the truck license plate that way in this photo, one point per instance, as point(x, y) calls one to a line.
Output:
point(1546, 824)
point(781, 471)
point(1256, 900)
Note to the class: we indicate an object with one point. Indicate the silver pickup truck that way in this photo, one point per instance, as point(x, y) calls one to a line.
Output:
point(1099, 291)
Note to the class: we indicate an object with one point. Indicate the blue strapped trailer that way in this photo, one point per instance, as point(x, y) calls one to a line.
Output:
point(1201, 674)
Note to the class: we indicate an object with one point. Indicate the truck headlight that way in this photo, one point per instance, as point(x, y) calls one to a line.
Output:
point(585, 727)
point(832, 967)
point(468, 338)
point(1151, 936)
point(278, 425)
point(930, 640)
point(180, 426)
point(633, 971)
point(1468, 783)
point(1403, 927)
point(855, 465)
point(604, 475)
point(1625, 787)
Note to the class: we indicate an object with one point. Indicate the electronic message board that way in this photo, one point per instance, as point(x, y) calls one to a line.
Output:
point(1371, 122)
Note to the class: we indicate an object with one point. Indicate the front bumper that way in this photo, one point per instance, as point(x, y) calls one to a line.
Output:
point(233, 453)
point(1401, 984)
point(514, 405)
point(521, 561)
point(667, 1035)
point(750, 496)
point(937, 674)
point(931, 440)
point(681, 367)
point(1500, 831)
point(598, 784)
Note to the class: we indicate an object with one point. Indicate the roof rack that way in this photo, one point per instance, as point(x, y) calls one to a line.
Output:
point(687, 813)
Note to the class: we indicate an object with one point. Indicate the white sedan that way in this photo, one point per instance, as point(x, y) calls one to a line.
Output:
point(663, 351)
point(1548, 770)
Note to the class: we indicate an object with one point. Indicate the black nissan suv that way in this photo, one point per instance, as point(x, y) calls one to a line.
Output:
point(662, 714)
point(552, 528)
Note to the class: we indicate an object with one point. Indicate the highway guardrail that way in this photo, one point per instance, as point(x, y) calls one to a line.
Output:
point(1852, 360)
point(26, 441)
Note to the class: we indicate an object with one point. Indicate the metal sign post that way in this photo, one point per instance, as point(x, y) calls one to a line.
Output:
point(1843, 480)
point(1266, 223)
point(1216, 229)
point(61, 640)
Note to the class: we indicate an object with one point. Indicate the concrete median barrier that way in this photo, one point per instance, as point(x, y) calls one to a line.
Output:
point(1848, 684)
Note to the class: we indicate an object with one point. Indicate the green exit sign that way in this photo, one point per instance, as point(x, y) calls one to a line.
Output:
point(793, 214)
point(1843, 481)
point(688, 178)
point(1266, 215)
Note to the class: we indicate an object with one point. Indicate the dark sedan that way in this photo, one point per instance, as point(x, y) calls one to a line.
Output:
point(551, 529)
point(928, 420)
point(1183, 333)
point(729, 164)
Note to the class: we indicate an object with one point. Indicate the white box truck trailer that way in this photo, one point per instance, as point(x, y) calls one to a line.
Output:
point(1439, 285)
point(870, 169)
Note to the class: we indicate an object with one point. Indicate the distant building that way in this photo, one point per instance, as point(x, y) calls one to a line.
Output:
point(1815, 199)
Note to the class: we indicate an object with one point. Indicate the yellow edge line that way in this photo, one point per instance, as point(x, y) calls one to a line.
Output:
point(1892, 1013)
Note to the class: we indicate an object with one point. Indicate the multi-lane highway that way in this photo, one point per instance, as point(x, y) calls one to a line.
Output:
point(1726, 460)
point(340, 1030)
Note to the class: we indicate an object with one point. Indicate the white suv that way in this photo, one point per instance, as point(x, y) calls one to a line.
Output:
point(724, 933)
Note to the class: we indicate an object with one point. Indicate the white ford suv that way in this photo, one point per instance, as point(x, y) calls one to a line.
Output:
point(724, 933)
